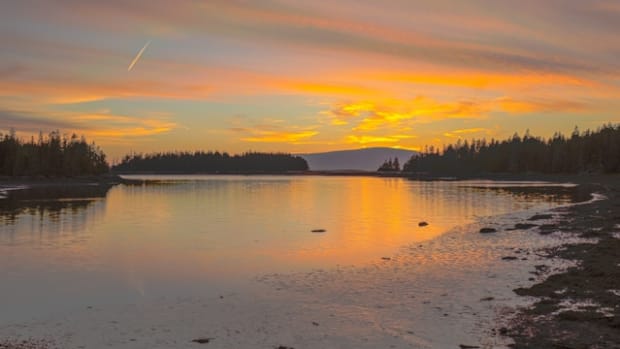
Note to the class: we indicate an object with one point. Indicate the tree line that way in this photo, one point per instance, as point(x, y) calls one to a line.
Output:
point(390, 165)
point(211, 162)
point(52, 155)
point(589, 151)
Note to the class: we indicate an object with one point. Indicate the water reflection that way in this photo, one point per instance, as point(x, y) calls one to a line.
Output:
point(47, 211)
point(192, 234)
point(541, 192)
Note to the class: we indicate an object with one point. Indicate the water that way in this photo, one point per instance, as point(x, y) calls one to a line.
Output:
point(203, 236)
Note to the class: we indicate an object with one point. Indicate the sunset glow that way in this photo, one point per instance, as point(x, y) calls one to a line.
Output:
point(303, 77)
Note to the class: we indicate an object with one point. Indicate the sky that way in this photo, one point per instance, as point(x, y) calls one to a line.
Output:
point(302, 76)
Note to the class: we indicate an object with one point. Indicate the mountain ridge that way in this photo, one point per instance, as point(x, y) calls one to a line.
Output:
point(363, 159)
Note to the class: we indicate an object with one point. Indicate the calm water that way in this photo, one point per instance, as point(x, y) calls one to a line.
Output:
point(199, 235)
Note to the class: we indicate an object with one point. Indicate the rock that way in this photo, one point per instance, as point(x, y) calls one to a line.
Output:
point(318, 230)
point(524, 226)
point(315, 323)
point(509, 258)
point(204, 340)
point(464, 346)
point(386, 258)
point(538, 217)
point(422, 224)
point(486, 299)
point(488, 230)
point(548, 227)
point(283, 347)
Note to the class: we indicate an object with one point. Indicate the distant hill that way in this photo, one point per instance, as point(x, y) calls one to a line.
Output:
point(367, 159)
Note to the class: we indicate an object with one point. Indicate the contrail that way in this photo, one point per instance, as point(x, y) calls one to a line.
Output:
point(135, 60)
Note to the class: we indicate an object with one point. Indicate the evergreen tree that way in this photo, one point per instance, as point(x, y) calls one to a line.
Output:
point(50, 156)
point(211, 162)
point(589, 151)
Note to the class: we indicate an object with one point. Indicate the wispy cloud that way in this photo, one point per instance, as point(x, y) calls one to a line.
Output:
point(423, 68)
point(270, 130)
point(511, 105)
point(369, 116)
point(100, 125)
point(265, 136)
point(466, 132)
point(366, 139)
point(26, 122)
point(373, 29)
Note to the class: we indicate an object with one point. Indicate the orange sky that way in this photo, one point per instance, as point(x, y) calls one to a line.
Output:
point(303, 77)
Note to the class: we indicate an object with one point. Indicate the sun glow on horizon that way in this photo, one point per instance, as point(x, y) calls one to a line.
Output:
point(306, 77)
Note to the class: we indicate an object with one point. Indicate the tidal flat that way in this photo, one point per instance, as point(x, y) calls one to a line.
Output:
point(233, 259)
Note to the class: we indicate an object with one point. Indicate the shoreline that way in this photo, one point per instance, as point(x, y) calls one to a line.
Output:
point(579, 307)
point(410, 299)
point(118, 177)
point(26, 182)
point(544, 323)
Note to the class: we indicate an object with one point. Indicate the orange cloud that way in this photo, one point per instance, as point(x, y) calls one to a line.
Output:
point(100, 125)
point(369, 116)
point(365, 139)
point(394, 112)
point(466, 131)
point(511, 105)
point(319, 88)
point(482, 79)
point(265, 136)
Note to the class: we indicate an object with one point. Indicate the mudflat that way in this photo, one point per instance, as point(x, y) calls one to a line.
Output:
point(580, 307)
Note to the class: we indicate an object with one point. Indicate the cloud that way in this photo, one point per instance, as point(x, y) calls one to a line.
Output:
point(483, 80)
point(466, 131)
point(370, 116)
point(369, 29)
point(270, 130)
point(368, 139)
point(264, 136)
point(99, 126)
point(514, 106)
point(24, 122)
point(469, 63)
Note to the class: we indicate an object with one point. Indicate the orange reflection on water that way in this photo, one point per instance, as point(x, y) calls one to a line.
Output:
point(207, 228)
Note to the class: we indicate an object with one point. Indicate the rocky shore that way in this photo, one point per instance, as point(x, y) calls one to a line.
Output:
point(579, 308)
point(41, 181)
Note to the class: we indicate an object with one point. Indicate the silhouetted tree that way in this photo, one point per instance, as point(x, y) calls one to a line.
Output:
point(50, 156)
point(390, 165)
point(211, 162)
point(597, 151)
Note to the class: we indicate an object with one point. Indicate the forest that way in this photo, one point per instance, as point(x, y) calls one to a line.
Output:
point(582, 152)
point(210, 162)
point(51, 156)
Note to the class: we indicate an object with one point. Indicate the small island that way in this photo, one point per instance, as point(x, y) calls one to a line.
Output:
point(210, 163)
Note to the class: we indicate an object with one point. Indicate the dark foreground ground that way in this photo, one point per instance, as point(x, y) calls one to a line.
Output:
point(594, 284)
